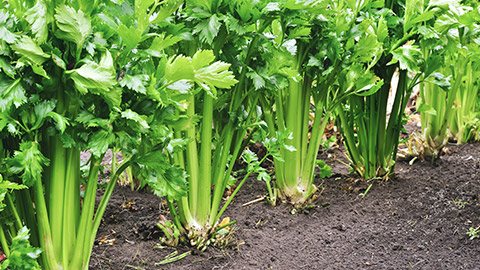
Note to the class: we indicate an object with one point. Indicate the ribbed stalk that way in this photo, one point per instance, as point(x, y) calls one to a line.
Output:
point(219, 180)
point(26, 211)
point(318, 128)
point(71, 214)
point(3, 241)
point(56, 192)
point(205, 173)
point(184, 214)
point(13, 210)
point(293, 124)
point(49, 260)
point(85, 228)
point(192, 160)
point(102, 206)
point(304, 111)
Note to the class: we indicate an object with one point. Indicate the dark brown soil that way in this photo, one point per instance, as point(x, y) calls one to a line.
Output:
point(416, 220)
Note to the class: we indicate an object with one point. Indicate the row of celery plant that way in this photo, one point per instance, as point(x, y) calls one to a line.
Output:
point(71, 82)
point(194, 80)
point(451, 113)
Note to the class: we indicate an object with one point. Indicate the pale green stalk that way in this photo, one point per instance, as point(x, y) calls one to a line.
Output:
point(192, 161)
point(85, 228)
point(49, 261)
point(205, 173)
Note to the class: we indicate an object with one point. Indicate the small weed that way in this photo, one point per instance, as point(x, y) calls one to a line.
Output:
point(473, 232)
point(460, 204)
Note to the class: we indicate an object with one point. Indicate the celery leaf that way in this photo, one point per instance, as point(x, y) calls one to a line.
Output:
point(73, 25)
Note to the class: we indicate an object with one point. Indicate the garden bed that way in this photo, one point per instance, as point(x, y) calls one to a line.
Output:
point(416, 220)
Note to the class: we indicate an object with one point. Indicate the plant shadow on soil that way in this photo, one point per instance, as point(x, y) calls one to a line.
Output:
point(416, 220)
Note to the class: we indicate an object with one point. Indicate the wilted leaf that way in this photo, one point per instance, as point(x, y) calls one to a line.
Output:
point(59, 61)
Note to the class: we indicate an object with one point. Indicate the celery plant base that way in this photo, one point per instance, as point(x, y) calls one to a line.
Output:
point(427, 148)
point(298, 197)
point(196, 236)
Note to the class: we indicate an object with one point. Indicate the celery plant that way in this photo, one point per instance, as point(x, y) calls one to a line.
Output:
point(371, 135)
point(219, 108)
point(71, 82)
point(447, 114)
point(318, 55)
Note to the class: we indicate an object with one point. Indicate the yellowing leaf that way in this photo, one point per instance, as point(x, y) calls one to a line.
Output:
point(224, 222)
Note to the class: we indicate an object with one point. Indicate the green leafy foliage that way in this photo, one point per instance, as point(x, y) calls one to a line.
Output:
point(74, 26)
point(324, 169)
point(28, 161)
point(166, 180)
point(77, 77)
point(22, 255)
point(13, 93)
point(28, 48)
point(446, 97)
point(39, 19)
point(406, 39)
point(408, 56)
point(6, 186)
point(92, 76)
